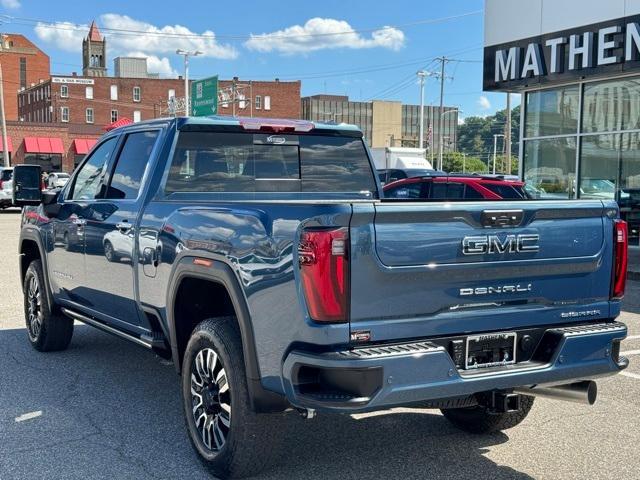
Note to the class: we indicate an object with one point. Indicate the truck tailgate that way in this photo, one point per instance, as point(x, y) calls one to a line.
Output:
point(433, 269)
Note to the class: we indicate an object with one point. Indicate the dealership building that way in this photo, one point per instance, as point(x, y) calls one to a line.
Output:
point(577, 65)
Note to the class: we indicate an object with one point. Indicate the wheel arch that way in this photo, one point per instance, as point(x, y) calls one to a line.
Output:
point(31, 248)
point(220, 274)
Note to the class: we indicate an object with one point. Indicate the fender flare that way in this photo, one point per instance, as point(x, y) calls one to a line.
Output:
point(32, 235)
point(222, 273)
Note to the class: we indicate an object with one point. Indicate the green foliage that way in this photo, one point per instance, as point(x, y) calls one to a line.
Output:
point(475, 137)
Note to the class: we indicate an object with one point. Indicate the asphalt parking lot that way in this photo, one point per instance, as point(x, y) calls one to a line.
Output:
point(108, 409)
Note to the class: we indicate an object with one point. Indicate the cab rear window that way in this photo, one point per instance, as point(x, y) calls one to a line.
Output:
point(247, 162)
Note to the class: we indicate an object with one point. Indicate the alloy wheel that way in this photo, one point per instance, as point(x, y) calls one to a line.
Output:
point(210, 399)
point(34, 309)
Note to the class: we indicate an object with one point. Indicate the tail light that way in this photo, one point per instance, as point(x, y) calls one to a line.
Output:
point(324, 271)
point(619, 259)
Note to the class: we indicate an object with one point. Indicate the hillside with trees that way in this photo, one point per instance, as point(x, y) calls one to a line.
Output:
point(475, 144)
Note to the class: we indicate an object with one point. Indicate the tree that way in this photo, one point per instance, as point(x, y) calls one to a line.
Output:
point(458, 162)
point(475, 138)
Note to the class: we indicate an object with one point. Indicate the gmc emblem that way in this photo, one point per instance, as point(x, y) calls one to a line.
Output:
point(483, 244)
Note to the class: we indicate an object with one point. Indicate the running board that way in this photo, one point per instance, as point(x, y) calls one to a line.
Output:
point(106, 328)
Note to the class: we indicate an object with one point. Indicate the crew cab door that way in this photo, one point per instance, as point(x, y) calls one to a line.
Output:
point(110, 232)
point(66, 240)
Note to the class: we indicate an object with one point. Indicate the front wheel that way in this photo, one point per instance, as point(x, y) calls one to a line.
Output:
point(480, 419)
point(231, 439)
point(47, 330)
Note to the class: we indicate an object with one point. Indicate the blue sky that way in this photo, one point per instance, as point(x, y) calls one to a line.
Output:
point(285, 39)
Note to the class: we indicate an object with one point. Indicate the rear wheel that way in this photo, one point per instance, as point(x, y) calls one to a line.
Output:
point(480, 419)
point(231, 439)
point(47, 329)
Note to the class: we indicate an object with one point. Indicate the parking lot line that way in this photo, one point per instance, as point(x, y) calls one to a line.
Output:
point(633, 337)
point(630, 352)
point(630, 375)
point(28, 416)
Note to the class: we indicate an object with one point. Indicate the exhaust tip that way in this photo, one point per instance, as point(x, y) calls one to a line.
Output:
point(591, 391)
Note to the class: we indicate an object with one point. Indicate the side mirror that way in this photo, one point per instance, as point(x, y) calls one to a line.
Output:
point(26, 185)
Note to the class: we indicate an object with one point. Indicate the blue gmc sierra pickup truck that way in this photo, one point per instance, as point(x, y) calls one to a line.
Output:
point(259, 256)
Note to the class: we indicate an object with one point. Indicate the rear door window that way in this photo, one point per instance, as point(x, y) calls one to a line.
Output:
point(132, 162)
point(407, 191)
point(508, 192)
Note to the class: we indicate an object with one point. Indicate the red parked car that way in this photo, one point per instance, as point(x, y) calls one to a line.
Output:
point(456, 188)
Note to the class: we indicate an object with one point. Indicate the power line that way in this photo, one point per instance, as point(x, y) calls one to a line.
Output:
point(58, 25)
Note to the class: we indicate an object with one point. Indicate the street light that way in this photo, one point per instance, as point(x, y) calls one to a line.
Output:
point(186, 54)
point(441, 136)
point(422, 75)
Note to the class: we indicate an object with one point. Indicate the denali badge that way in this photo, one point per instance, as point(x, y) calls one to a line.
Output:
point(502, 289)
point(481, 244)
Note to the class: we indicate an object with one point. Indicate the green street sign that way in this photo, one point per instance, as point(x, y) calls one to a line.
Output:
point(204, 97)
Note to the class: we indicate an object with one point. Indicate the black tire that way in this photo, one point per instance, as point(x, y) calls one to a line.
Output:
point(479, 420)
point(109, 252)
point(47, 329)
point(250, 437)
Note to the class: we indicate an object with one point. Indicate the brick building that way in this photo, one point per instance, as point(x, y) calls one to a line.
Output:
point(97, 100)
point(272, 99)
point(54, 146)
point(23, 65)
point(61, 116)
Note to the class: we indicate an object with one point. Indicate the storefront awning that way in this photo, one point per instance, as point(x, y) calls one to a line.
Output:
point(83, 145)
point(43, 145)
point(9, 144)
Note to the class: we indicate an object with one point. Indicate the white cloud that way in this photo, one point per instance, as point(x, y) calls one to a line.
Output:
point(156, 64)
point(66, 36)
point(157, 40)
point(484, 103)
point(10, 4)
point(324, 33)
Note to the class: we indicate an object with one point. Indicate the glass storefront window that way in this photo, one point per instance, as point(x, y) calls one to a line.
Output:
point(599, 166)
point(550, 167)
point(611, 106)
point(552, 112)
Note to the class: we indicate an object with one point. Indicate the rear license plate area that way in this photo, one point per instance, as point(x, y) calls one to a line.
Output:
point(490, 350)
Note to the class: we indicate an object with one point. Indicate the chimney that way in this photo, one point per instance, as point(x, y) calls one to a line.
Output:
point(74, 74)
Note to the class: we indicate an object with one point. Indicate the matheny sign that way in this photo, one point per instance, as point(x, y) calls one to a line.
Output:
point(603, 48)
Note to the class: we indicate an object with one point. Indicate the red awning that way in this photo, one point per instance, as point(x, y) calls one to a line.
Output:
point(83, 145)
point(118, 123)
point(43, 145)
point(9, 144)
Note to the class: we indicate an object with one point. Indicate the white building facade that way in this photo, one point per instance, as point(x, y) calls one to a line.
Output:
point(577, 65)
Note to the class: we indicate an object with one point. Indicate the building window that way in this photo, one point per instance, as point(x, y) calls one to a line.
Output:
point(64, 91)
point(267, 102)
point(137, 94)
point(23, 72)
point(114, 92)
point(89, 115)
point(258, 102)
point(114, 116)
point(171, 93)
point(88, 93)
point(137, 116)
point(64, 114)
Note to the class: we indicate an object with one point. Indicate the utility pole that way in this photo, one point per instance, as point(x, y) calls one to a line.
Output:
point(5, 146)
point(443, 61)
point(421, 75)
point(187, 54)
point(507, 134)
point(431, 145)
point(495, 146)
